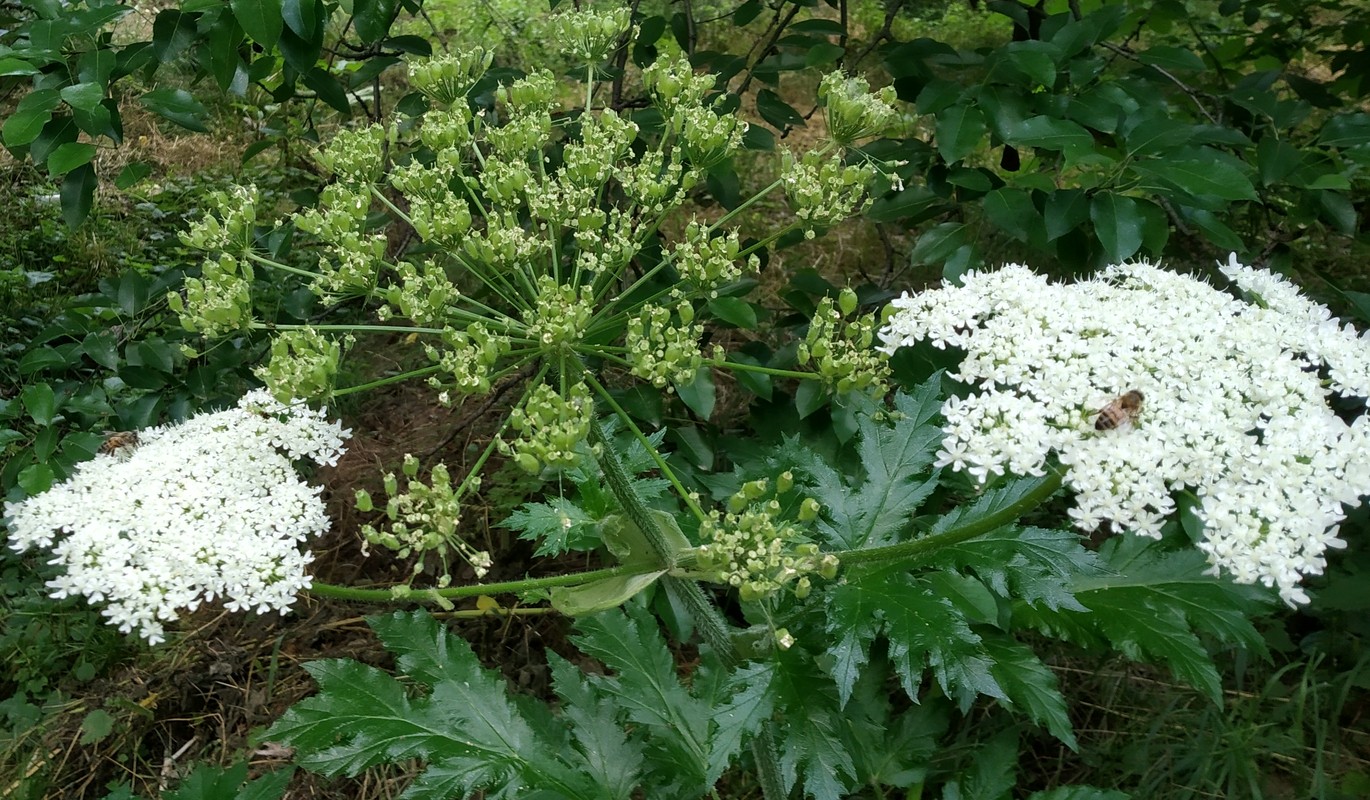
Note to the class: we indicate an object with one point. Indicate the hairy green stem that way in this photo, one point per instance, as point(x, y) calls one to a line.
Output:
point(403, 376)
point(906, 551)
point(336, 592)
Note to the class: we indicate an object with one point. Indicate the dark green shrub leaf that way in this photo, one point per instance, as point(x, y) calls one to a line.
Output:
point(1118, 224)
point(40, 401)
point(1172, 59)
point(262, 20)
point(69, 156)
point(1201, 178)
point(734, 311)
point(776, 111)
point(699, 394)
point(915, 203)
point(10, 66)
point(372, 18)
point(132, 174)
point(78, 192)
point(302, 16)
point(328, 89)
point(959, 131)
point(1051, 133)
point(176, 105)
point(83, 96)
point(29, 117)
point(1013, 212)
point(937, 244)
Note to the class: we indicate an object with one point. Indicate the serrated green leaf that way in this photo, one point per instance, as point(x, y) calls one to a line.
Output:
point(813, 745)
point(924, 631)
point(749, 706)
point(1030, 685)
point(608, 755)
point(1031, 565)
point(557, 526)
point(646, 687)
point(873, 509)
point(960, 130)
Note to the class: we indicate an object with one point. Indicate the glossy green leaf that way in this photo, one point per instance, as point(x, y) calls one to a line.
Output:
point(1051, 133)
point(16, 66)
point(302, 16)
point(132, 174)
point(40, 401)
point(699, 395)
point(938, 243)
point(173, 31)
point(734, 311)
point(176, 105)
point(77, 194)
point(1172, 59)
point(1118, 225)
point(29, 117)
point(1012, 211)
point(1201, 178)
point(1065, 211)
point(69, 156)
point(261, 19)
point(372, 18)
point(328, 89)
point(776, 111)
point(960, 129)
point(83, 96)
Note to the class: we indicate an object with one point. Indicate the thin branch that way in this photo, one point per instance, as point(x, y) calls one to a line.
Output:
point(1193, 94)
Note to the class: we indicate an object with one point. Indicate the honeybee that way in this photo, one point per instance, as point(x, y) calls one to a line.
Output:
point(1123, 410)
point(119, 443)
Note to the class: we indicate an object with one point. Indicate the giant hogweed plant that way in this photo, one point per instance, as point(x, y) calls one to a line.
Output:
point(875, 577)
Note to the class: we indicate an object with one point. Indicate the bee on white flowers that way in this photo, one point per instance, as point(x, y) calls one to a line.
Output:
point(119, 443)
point(1123, 410)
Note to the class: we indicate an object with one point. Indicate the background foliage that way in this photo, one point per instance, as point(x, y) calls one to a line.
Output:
point(1065, 135)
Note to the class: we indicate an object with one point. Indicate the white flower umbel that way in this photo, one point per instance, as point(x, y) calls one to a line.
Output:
point(209, 508)
point(1236, 403)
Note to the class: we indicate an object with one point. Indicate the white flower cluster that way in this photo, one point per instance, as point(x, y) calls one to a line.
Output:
point(1235, 403)
point(208, 508)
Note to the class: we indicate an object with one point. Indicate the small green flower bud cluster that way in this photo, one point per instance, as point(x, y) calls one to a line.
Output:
point(521, 135)
point(424, 518)
point(506, 182)
point(355, 156)
point(468, 356)
point(533, 95)
point(708, 138)
point(342, 209)
point(422, 295)
point(823, 192)
point(416, 180)
point(303, 365)
point(446, 79)
point(605, 141)
point(663, 352)
point(506, 245)
point(445, 218)
point(354, 271)
point(854, 113)
point(589, 36)
point(709, 263)
point(844, 356)
point(228, 222)
point(447, 132)
point(561, 315)
point(550, 427)
point(673, 83)
point(753, 548)
point(655, 184)
point(219, 302)
point(608, 245)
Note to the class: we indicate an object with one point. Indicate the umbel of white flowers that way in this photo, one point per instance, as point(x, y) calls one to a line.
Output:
point(210, 508)
point(1235, 389)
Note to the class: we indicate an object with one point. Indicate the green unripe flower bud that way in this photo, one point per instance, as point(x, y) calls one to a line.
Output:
point(528, 463)
point(390, 483)
point(753, 490)
point(808, 510)
point(411, 466)
point(802, 588)
point(827, 567)
point(847, 302)
point(364, 500)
